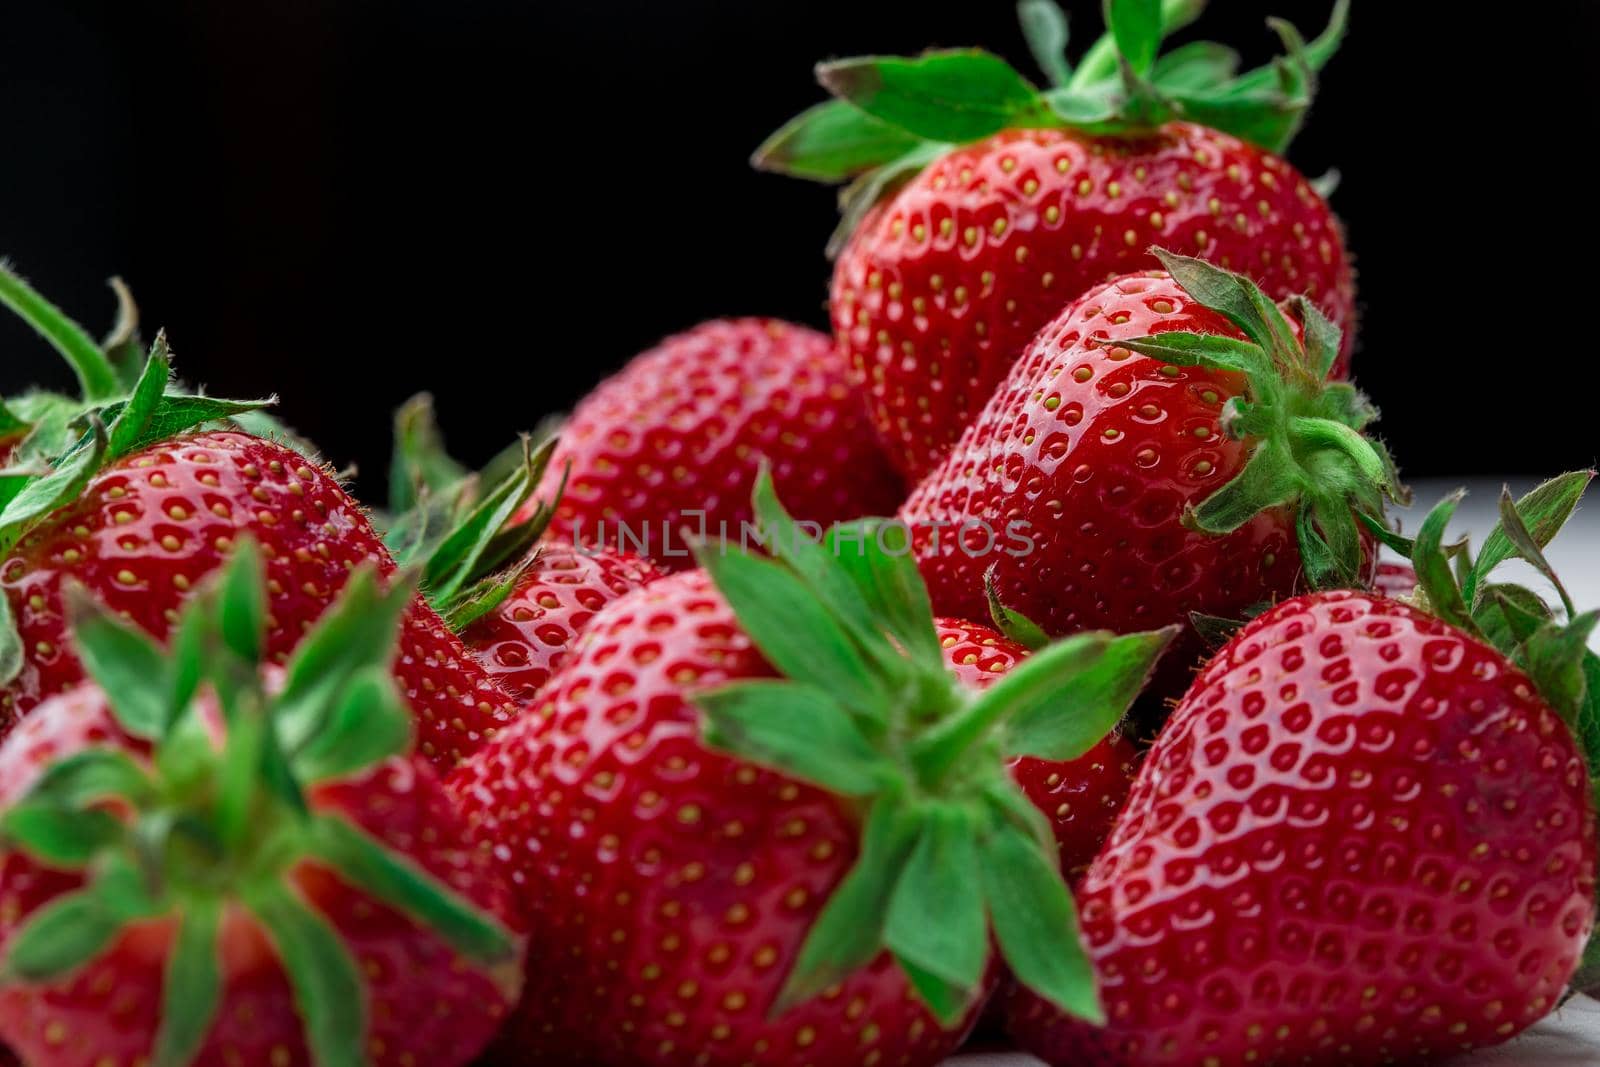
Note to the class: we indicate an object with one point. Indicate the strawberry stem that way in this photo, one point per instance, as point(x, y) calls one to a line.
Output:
point(96, 376)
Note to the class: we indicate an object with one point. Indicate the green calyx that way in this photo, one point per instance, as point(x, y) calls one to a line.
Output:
point(58, 443)
point(120, 380)
point(198, 827)
point(1310, 452)
point(893, 115)
point(866, 708)
point(459, 527)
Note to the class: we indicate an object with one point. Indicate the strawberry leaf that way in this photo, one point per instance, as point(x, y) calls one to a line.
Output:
point(1434, 575)
point(136, 412)
point(369, 723)
point(59, 937)
point(1036, 923)
point(1269, 479)
point(1508, 615)
point(848, 934)
point(853, 599)
point(58, 836)
point(12, 654)
point(96, 377)
point(398, 882)
point(1554, 658)
point(328, 990)
point(44, 495)
point(1588, 720)
point(126, 663)
point(192, 986)
point(1078, 693)
point(1194, 67)
point(1013, 624)
point(1527, 546)
point(1542, 513)
point(1183, 349)
point(939, 96)
point(831, 142)
point(1136, 27)
point(1322, 338)
point(875, 555)
point(795, 629)
point(947, 1001)
point(420, 463)
point(798, 729)
point(242, 602)
point(936, 918)
point(1044, 27)
point(90, 776)
point(858, 198)
point(357, 632)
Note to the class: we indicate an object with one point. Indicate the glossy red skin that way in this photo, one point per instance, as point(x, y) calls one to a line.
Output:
point(1362, 839)
point(931, 319)
point(683, 428)
point(1395, 579)
point(526, 638)
point(426, 1005)
point(205, 491)
point(669, 888)
point(1081, 797)
point(1099, 451)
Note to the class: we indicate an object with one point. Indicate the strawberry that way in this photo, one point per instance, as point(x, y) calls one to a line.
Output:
point(139, 513)
point(980, 205)
point(1367, 835)
point(1395, 580)
point(525, 638)
point(675, 438)
point(1080, 797)
point(518, 619)
point(208, 861)
point(1105, 489)
point(714, 831)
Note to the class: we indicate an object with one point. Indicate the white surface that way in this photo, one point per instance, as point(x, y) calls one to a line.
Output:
point(1571, 1037)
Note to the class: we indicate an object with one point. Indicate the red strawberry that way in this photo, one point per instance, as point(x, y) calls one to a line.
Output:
point(282, 889)
point(675, 438)
point(943, 284)
point(1106, 490)
point(523, 639)
point(1367, 836)
point(1080, 797)
point(1395, 579)
point(139, 513)
point(692, 907)
point(147, 529)
point(517, 620)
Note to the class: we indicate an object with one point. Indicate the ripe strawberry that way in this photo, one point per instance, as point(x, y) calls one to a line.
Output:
point(526, 637)
point(1020, 201)
point(1080, 797)
point(1395, 580)
point(207, 864)
point(675, 438)
point(139, 513)
point(775, 891)
point(516, 618)
point(147, 529)
point(1107, 490)
point(1367, 835)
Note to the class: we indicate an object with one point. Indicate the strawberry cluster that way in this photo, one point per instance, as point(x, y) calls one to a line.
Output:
point(1017, 659)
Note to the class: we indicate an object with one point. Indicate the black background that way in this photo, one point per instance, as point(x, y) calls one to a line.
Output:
point(347, 201)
